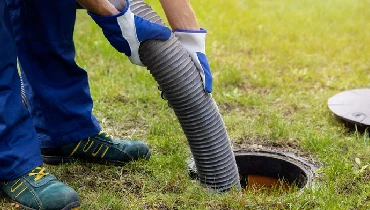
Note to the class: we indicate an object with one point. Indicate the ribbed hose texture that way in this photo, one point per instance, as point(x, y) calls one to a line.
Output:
point(176, 74)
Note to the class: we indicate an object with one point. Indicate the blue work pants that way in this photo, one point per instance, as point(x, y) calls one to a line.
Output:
point(19, 144)
point(57, 88)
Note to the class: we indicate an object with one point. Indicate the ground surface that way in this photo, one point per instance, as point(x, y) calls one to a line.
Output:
point(275, 64)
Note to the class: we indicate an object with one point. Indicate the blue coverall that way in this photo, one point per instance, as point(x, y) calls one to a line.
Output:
point(57, 89)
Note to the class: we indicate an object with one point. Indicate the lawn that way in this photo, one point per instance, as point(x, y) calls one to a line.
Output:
point(275, 64)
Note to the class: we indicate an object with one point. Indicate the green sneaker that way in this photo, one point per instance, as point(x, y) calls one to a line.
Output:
point(38, 189)
point(100, 148)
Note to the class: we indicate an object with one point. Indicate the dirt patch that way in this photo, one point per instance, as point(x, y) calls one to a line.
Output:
point(288, 146)
point(232, 107)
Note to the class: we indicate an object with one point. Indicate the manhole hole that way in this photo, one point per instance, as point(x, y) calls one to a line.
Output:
point(269, 168)
point(273, 169)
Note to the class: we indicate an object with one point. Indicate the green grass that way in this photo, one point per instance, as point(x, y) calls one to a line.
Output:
point(275, 64)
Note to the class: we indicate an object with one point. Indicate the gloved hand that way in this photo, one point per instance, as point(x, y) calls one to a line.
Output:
point(125, 31)
point(194, 43)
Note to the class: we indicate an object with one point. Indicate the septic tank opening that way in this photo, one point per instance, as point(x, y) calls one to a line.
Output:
point(267, 169)
point(270, 170)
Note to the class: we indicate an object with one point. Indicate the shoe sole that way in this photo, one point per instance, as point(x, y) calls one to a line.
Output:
point(71, 206)
point(58, 160)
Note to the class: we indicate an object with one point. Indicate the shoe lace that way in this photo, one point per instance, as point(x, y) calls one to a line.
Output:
point(39, 172)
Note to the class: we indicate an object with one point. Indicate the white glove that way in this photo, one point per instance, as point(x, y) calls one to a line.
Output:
point(194, 42)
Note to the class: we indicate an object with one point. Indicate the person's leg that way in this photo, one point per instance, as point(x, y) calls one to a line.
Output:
point(19, 145)
point(57, 89)
point(22, 178)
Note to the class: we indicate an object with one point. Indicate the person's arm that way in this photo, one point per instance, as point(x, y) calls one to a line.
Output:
point(180, 14)
point(182, 19)
point(103, 7)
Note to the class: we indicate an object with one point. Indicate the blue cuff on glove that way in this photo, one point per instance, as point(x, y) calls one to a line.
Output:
point(207, 71)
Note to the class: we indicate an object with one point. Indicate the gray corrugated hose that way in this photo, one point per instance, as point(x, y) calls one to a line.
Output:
point(197, 112)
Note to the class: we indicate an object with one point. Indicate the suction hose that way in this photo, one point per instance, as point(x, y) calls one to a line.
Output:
point(197, 112)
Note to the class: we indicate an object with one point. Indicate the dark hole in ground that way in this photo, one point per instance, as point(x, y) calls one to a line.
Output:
point(264, 170)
